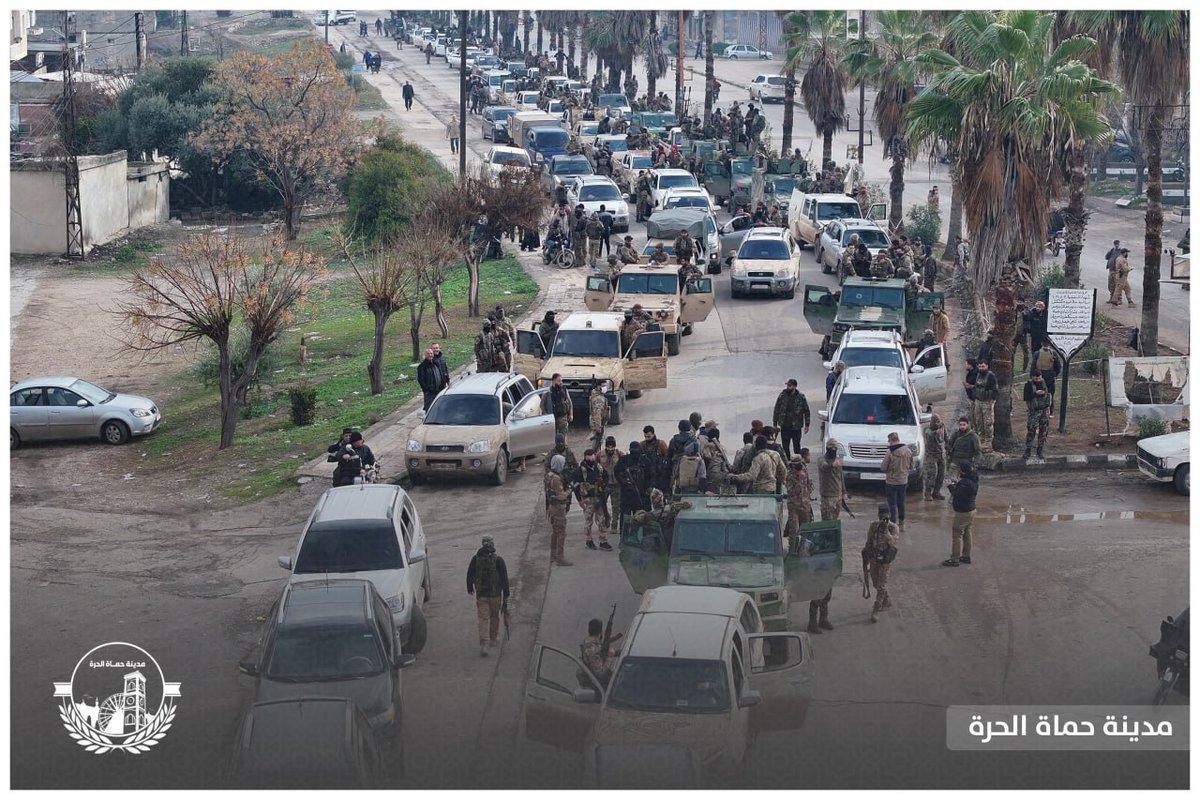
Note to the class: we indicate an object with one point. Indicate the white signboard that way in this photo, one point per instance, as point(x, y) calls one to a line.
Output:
point(1068, 343)
point(1071, 311)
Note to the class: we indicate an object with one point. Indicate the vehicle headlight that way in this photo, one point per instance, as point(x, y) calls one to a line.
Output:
point(396, 602)
point(414, 446)
point(140, 412)
point(541, 382)
point(480, 446)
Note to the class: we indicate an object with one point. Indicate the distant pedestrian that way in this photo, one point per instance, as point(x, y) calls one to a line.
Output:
point(452, 132)
point(440, 360)
point(939, 323)
point(487, 580)
point(831, 481)
point(962, 499)
point(791, 416)
point(878, 554)
point(1110, 263)
point(408, 93)
point(1122, 271)
point(1039, 402)
point(895, 465)
point(429, 378)
point(933, 198)
point(558, 500)
point(699, 50)
point(983, 410)
point(832, 377)
point(560, 404)
point(1037, 325)
point(933, 467)
point(367, 59)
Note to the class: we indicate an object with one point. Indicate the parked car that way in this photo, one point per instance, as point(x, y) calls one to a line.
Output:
point(528, 100)
point(594, 191)
point(615, 105)
point(477, 424)
point(1167, 458)
point(878, 348)
point(768, 262)
point(768, 87)
point(370, 531)
point(563, 169)
point(695, 662)
point(42, 409)
point(736, 51)
point(835, 236)
point(495, 122)
point(301, 743)
point(686, 197)
point(332, 638)
point(500, 157)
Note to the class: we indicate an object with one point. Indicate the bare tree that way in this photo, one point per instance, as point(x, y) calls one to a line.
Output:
point(213, 282)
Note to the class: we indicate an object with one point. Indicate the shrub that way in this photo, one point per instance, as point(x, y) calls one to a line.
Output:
point(1091, 356)
point(304, 405)
point(386, 189)
point(1150, 426)
point(1049, 277)
point(925, 221)
point(344, 61)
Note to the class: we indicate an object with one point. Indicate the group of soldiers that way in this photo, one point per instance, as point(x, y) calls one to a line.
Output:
point(494, 344)
point(913, 262)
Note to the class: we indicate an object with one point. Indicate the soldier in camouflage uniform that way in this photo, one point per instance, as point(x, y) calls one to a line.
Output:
point(767, 474)
point(593, 497)
point(799, 493)
point(503, 345)
point(933, 468)
point(591, 650)
point(597, 414)
point(485, 349)
point(487, 580)
point(560, 449)
point(558, 500)
point(608, 458)
point(832, 481)
point(662, 512)
point(877, 554)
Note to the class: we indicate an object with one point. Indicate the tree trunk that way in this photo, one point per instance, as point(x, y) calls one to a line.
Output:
point(789, 108)
point(1005, 324)
point(416, 311)
point(229, 404)
point(614, 79)
point(439, 308)
point(826, 149)
point(539, 35)
point(472, 261)
point(1075, 214)
point(526, 20)
point(651, 78)
point(896, 212)
point(708, 65)
point(570, 44)
point(375, 365)
point(583, 48)
point(292, 206)
point(1154, 222)
point(956, 211)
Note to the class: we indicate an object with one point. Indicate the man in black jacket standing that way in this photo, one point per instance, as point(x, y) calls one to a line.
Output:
point(487, 580)
point(429, 378)
point(962, 499)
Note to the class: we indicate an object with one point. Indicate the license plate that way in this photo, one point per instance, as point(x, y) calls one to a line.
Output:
point(766, 287)
point(436, 465)
point(872, 476)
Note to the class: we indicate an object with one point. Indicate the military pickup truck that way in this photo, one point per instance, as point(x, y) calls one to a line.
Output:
point(673, 305)
point(587, 351)
point(867, 303)
point(736, 542)
point(729, 182)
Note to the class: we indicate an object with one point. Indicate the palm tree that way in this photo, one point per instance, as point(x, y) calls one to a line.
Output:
point(789, 90)
point(570, 20)
point(1012, 101)
point(656, 57)
point(583, 46)
point(1152, 49)
point(818, 41)
point(708, 65)
point(541, 26)
point(889, 61)
point(527, 21)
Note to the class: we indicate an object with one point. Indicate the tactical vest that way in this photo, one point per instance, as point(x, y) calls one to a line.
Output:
point(1037, 403)
point(487, 575)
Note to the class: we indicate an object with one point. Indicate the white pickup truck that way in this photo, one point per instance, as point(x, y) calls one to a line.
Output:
point(1167, 458)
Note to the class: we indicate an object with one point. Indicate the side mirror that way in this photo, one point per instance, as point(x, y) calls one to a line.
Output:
point(926, 418)
point(285, 562)
point(404, 660)
point(749, 698)
point(584, 695)
point(916, 369)
point(82, 403)
point(827, 364)
point(417, 557)
point(823, 413)
point(248, 668)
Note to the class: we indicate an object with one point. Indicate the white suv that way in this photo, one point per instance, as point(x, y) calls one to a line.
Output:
point(768, 87)
point(369, 532)
point(867, 348)
point(767, 262)
point(867, 404)
point(835, 237)
point(594, 191)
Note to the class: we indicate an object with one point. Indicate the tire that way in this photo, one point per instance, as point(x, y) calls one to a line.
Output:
point(688, 329)
point(673, 344)
point(14, 439)
point(790, 294)
point(427, 586)
point(824, 267)
point(633, 394)
point(500, 473)
point(617, 415)
point(733, 57)
point(417, 633)
point(1183, 479)
point(114, 432)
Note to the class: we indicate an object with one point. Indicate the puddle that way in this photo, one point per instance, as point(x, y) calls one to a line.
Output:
point(1018, 516)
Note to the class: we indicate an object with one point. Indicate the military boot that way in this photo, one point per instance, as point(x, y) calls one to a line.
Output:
point(1026, 454)
point(825, 623)
point(812, 620)
point(1040, 455)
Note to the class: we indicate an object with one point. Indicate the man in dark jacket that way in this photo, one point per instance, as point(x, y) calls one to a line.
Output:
point(429, 378)
point(983, 410)
point(408, 93)
point(349, 466)
point(790, 417)
point(962, 499)
point(560, 404)
point(680, 441)
point(655, 462)
point(487, 580)
point(440, 360)
point(1036, 320)
point(630, 480)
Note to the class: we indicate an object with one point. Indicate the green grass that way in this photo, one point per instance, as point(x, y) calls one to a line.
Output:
point(367, 97)
point(1111, 188)
point(268, 445)
point(129, 257)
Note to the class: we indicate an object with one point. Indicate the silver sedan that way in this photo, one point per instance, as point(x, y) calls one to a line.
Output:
point(72, 408)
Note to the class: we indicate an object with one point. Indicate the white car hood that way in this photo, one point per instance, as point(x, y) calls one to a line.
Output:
point(773, 265)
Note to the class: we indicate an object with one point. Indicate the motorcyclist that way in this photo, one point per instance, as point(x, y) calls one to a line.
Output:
point(1173, 636)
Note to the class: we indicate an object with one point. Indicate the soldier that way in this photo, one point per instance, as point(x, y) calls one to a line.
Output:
point(799, 492)
point(487, 580)
point(547, 328)
point(882, 268)
point(791, 416)
point(1110, 260)
point(878, 555)
point(560, 404)
point(608, 458)
point(597, 414)
point(862, 260)
point(503, 344)
point(659, 254)
point(662, 512)
point(764, 475)
point(1040, 402)
point(963, 446)
point(626, 252)
point(987, 389)
point(933, 468)
point(558, 500)
point(594, 229)
point(643, 196)
point(939, 323)
point(1122, 270)
point(864, 201)
point(775, 216)
point(831, 481)
point(485, 348)
point(716, 462)
point(962, 499)
point(560, 449)
point(846, 264)
point(593, 491)
point(502, 324)
point(655, 462)
point(630, 475)
point(684, 246)
point(591, 651)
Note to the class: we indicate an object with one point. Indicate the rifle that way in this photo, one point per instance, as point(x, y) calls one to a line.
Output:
point(846, 508)
point(504, 612)
point(609, 638)
point(866, 558)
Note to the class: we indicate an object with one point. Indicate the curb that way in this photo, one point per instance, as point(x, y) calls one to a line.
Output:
point(1011, 464)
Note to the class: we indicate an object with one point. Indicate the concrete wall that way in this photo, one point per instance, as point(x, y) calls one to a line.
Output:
point(114, 199)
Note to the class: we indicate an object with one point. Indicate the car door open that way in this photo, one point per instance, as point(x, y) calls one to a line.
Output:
point(530, 355)
point(530, 426)
point(698, 300)
point(643, 555)
point(820, 306)
point(917, 312)
point(778, 662)
point(930, 380)
point(647, 362)
point(598, 294)
point(814, 561)
point(562, 700)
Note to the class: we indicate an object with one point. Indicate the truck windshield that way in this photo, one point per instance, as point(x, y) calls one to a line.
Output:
point(888, 297)
point(874, 409)
point(648, 284)
point(555, 137)
point(464, 409)
point(607, 100)
point(742, 166)
point(781, 186)
point(640, 162)
point(846, 210)
point(598, 192)
point(600, 344)
point(672, 685)
point(665, 120)
point(726, 537)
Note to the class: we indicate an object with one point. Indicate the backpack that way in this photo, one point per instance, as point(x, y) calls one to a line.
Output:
point(687, 476)
point(487, 577)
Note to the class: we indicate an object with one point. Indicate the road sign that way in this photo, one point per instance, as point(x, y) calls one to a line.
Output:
point(1068, 343)
point(1070, 322)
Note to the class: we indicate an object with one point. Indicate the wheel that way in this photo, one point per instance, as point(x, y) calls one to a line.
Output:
point(500, 473)
point(824, 267)
point(673, 344)
point(633, 394)
point(114, 432)
point(688, 329)
point(617, 415)
point(790, 294)
point(733, 57)
point(427, 585)
point(14, 439)
point(417, 632)
point(1183, 479)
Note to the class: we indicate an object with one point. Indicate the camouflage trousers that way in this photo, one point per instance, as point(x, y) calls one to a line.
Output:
point(487, 614)
point(593, 251)
point(614, 514)
point(597, 440)
point(830, 507)
point(562, 424)
point(982, 416)
point(879, 577)
point(1038, 424)
point(558, 530)
point(598, 513)
point(933, 474)
point(798, 514)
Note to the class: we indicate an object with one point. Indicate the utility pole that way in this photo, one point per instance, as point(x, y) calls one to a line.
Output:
point(183, 36)
point(462, 98)
point(679, 65)
point(71, 158)
point(862, 89)
point(326, 26)
point(139, 40)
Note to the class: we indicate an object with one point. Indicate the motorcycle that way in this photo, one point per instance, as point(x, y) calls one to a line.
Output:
point(1056, 243)
point(370, 473)
point(1171, 654)
point(559, 253)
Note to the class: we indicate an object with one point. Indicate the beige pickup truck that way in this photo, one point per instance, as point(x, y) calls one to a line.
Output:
point(675, 306)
